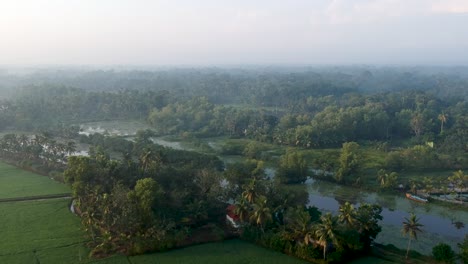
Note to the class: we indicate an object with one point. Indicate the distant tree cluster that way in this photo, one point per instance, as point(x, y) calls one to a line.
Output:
point(147, 201)
point(27, 150)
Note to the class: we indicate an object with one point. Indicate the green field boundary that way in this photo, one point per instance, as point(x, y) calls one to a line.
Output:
point(37, 197)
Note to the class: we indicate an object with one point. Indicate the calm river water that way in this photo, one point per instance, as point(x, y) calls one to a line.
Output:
point(438, 221)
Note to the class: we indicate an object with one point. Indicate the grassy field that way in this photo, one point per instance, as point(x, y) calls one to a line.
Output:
point(231, 251)
point(40, 230)
point(370, 260)
point(15, 182)
point(46, 232)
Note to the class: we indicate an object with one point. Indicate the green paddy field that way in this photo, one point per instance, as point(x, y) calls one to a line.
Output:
point(17, 183)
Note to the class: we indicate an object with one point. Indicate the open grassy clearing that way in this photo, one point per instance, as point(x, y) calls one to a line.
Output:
point(15, 182)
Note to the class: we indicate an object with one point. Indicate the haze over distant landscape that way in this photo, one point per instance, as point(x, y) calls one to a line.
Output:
point(402, 32)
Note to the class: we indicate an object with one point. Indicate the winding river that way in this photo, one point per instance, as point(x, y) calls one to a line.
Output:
point(441, 223)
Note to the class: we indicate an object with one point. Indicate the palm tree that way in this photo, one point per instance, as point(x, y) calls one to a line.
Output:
point(242, 210)
point(444, 188)
point(411, 227)
point(250, 191)
point(299, 222)
point(459, 179)
point(414, 187)
point(382, 178)
point(71, 147)
point(428, 186)
point(443, 119)
point(261, 213)
point(326, 232)
point(347, 214)
point(145, 159)
point(387, 180)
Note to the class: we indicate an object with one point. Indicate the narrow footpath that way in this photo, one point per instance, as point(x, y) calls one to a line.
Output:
point(37, 197)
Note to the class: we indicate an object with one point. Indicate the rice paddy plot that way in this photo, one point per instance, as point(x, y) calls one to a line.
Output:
point(15, 182)
point(43, 231)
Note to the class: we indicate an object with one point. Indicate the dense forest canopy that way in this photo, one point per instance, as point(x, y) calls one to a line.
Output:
point(418, 115)
point(441, 81)
point(310, 107)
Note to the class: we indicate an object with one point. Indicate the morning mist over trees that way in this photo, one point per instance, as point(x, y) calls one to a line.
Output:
point(208, 131)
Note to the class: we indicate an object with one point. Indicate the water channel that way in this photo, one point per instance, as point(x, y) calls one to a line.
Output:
point(440, 222)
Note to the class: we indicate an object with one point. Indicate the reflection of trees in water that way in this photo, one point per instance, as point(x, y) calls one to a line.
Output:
point(427, 208)
point(343, 195)
point(323, 188)
point(454, 219)
point(387, 201)
point(446, 214)
point(339, 193)
point(456, 223)
point(451, 214)
point(413, 207)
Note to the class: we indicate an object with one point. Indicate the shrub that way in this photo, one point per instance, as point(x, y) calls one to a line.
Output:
point(464, 249)
point(277, 242)
point(251, 233)
point(232, 148)
point(308, 252)
point(443, 252)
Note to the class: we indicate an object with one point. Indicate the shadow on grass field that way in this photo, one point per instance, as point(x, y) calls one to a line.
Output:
point(230, 251)
point(371, 260)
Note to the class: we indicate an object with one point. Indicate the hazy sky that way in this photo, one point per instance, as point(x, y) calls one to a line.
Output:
point(233, 32)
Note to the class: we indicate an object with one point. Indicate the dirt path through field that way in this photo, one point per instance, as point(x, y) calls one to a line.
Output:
point(37, 198)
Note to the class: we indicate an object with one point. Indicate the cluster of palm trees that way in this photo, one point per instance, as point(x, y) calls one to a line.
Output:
point(386, 179)
point(37, 148)
point(458, 180)
point(327, 231)
point(147, 201)
point(306, 227)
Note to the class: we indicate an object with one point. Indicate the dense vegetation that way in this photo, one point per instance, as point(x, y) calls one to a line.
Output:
point(150, 198)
